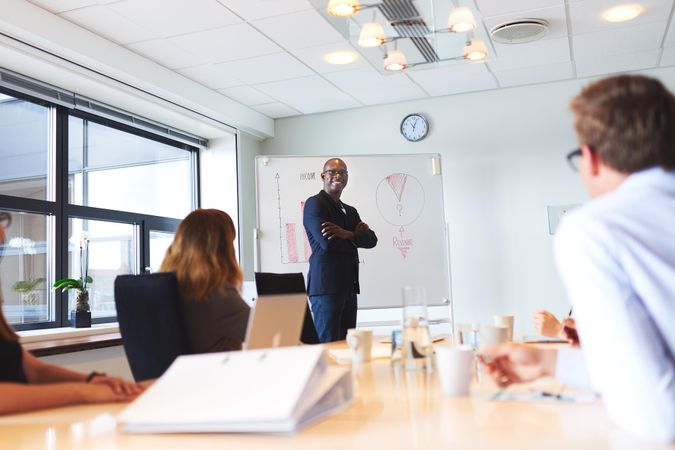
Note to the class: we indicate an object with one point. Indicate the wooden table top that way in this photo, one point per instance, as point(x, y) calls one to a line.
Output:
point(392, 409)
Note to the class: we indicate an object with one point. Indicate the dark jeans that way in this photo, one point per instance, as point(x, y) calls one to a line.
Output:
point(333, 315)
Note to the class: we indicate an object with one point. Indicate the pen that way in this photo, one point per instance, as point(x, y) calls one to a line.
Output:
point(569, 314)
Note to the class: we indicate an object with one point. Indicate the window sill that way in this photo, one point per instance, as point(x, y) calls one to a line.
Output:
point(56, 341)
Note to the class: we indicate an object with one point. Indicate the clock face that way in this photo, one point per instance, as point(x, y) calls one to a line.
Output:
point(414, 127)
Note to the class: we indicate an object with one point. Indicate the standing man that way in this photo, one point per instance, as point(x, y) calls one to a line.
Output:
point(616, 258)
point(335, 231)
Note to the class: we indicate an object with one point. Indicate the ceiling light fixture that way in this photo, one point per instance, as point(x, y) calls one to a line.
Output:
point(343, 8)
point(372, 35)
point(395, 61)
point(411, 23)
point(622, 13)
point(461, 20)
point(340, 58)
point(475, 50)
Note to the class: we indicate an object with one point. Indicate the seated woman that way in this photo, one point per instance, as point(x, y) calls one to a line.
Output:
point(28, 384)
point(209, 278)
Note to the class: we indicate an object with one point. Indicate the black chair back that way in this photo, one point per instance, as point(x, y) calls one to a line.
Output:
point(148, 312)
point(288, 283)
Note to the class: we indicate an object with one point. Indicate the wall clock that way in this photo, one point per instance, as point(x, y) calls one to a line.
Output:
point(414, 127)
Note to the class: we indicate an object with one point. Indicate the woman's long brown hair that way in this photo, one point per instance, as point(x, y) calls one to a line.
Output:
point(202, 254)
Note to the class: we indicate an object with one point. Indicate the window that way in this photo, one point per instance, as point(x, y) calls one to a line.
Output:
point(64, 173)
point(109, 168)
point(24, 266)
point(24, 148)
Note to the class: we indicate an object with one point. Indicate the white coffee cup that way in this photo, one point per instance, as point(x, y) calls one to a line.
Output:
point(454, 364)
point(492, 335)
point(505, 320)
point(361, 341)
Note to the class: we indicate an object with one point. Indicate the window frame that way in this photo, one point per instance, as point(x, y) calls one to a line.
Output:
point(61, 210)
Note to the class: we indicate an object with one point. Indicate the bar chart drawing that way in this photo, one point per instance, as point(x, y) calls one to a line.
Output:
point(294, 233)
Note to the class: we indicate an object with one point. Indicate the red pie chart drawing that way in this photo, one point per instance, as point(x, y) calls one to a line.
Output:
point(400, 198)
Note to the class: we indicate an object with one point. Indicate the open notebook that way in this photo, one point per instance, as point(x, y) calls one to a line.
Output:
point(259, 391)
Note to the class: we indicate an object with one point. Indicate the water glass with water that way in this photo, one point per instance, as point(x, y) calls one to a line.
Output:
point(417, 349)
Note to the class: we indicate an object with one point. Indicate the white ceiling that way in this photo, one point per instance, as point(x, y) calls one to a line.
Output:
point(267, 54)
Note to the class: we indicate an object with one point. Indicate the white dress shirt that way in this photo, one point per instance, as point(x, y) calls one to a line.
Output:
point(616, 258)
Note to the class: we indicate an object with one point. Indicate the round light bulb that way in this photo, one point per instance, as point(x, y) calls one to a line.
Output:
point(623, 13)
point(340, 57)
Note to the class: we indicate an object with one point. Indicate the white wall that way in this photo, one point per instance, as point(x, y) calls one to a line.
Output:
point(503, 155)
point(247, 149)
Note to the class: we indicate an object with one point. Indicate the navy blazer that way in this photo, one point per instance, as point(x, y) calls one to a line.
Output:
point(334, 264)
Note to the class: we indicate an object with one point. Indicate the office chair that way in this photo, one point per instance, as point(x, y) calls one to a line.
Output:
point(288, 283)
point(148, 312)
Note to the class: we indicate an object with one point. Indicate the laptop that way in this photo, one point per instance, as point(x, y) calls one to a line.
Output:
point(276, 321)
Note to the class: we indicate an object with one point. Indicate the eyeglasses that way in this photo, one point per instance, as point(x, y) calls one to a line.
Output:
point(333, 172)
point(573, 158)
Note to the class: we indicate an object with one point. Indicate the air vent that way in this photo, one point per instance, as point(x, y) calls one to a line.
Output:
point(519, 31)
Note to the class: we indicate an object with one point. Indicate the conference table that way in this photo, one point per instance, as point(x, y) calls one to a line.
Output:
point(392, 409)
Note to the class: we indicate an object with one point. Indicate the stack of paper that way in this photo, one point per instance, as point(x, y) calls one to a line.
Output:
point(268, 391)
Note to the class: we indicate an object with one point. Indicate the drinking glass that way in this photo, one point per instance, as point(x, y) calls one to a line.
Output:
point(417, 349)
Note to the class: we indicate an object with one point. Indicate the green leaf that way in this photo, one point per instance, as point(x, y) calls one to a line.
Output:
point(88, 279)
point(68, 283)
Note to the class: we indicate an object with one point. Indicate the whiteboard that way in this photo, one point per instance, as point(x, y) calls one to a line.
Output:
point(399, 196)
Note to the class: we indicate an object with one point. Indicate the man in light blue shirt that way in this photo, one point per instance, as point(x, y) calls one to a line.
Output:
point(616, 258)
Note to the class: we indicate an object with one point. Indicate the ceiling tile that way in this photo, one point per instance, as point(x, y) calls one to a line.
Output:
point(247, 95)
point(454, 79)
point(299, 30)
point(309, 95)
point(586, 15)
point(258, 9)
point(370, 87)
point(176, 17)
point(555, 16)
point(108, 24)
point(497, 7)
point(277, 110)
point(210, 75)
point(646, 36)
point(668, 57)
point(226, 44)
point(313, 57)
point(511, 56)
point(603, 64)
point(670, 36)
point(165, 53)
point(57, 6)
point(263, 69)
point(536, 74)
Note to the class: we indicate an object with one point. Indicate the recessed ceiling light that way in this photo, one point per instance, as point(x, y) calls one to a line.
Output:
point(623, 13)
point(340, 57)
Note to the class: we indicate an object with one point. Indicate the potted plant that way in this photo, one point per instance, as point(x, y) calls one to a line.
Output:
point(27, 288)
point(81, 317)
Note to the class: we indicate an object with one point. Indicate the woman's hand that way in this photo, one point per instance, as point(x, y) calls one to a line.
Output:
point(118, 385)
point(568, 332)
point(514, 363)
point(103, 393)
